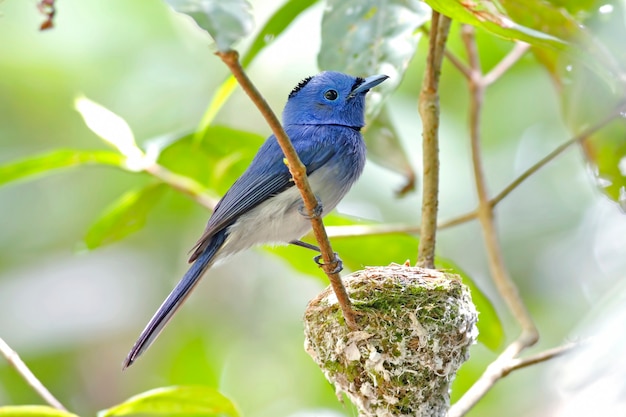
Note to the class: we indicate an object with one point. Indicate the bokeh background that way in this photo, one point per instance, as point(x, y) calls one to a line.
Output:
point(72, 314)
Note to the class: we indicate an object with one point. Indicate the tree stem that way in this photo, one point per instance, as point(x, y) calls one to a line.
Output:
point(429, 112)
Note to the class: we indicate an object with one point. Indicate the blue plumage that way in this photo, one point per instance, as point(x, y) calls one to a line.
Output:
point(323, 118)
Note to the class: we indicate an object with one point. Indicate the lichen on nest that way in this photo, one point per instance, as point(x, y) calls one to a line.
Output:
point(415, 327)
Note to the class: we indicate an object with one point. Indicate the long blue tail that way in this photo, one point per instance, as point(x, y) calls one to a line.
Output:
point(176, 298)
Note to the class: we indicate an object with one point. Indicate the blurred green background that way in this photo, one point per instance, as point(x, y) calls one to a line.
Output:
point(73, 314)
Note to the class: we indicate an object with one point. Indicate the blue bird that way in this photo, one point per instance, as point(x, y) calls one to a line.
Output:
point(323, 118)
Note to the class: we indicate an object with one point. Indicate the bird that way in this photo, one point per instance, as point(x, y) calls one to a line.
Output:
point(323, 117)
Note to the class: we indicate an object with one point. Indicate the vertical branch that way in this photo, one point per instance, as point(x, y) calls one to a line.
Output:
point(298, 173)
point(499, 273)
point(429, 112)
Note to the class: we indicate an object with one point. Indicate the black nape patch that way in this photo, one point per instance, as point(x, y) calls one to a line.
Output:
point(357, 83)
point(299, 86)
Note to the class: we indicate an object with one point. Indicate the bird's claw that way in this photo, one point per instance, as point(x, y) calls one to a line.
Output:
point(337, 261)
point(317, 211)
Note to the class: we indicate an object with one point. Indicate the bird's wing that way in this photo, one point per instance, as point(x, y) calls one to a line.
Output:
point(267, 176)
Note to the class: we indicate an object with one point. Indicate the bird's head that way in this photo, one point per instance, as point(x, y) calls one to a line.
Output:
point(329, 98)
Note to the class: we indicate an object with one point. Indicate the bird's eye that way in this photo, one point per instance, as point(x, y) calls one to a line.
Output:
point(331, 95)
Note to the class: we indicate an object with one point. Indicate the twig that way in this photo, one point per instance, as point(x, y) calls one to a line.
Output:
point(499, 273)
point(14, 360)
point(621, 107)
point(546, 355)
point(388, 229)
point(298, 173)
point(498, 369)
point(454, 60)
point(429, 112)
point(182, 184)
point(505, 63)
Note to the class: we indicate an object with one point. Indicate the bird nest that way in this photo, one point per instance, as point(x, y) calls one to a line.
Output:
point(415, 327)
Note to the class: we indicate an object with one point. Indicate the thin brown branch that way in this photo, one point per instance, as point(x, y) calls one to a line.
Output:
point(458, 64)
point(487, 380)
point(499, 272)
point(298, 173)
point(16, 362)
point(518, 51)
point(429, 112)
point(506, 363)
point(556, 152)
point(546, 355)
point(439, 50)
point(388, 229)
point(455, 221)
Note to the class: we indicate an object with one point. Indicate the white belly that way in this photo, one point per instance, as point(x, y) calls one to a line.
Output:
point(277, 220)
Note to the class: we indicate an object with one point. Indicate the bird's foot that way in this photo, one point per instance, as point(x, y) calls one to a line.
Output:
point(305, 245)
point(317, 211)
point(337, 261)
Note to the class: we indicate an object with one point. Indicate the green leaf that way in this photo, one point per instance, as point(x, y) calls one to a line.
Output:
point(367, 37)
point(33, 411)
point(220, 97)
point(226, 21)
point(490, 330)
point(273, 28)
point(64, 158)
point(177, 400)
point(537, 22)
point(214, 161)
point(111, 128)
point(385, 149)
point(575, 6)
point(125, 216)
point(540, 15)
point(492, 16)
point(587, 97)
point(606, 152)
point(556, 21)
point(363, 251)
point(355, 252)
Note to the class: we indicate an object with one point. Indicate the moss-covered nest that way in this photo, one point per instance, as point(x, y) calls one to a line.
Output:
point(415, 327)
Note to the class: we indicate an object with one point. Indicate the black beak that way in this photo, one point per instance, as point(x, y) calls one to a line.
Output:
point(369, 82)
